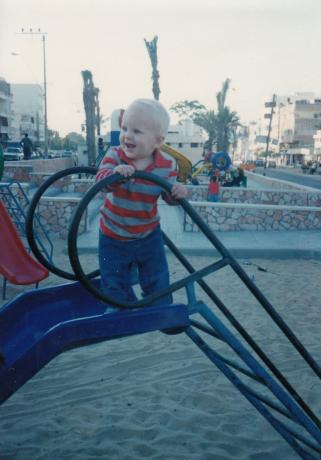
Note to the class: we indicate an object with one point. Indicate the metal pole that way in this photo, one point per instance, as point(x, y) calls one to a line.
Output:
point(31, 32)
point(269, 134)
point(45, 95)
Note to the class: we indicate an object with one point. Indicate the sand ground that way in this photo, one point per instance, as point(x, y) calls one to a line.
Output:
point(157, 396)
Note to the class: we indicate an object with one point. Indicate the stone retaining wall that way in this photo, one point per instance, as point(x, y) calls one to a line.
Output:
point(230, 217)
point(56, 215)
point(259, 196)
point(65, 184)
point(20, 171)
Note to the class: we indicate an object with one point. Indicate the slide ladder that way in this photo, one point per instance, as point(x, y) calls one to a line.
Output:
point(17, 202)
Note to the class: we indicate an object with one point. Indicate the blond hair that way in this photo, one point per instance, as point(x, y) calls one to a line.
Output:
point(157, 110)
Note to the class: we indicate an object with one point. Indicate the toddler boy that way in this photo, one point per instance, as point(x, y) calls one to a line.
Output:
point(130, 234)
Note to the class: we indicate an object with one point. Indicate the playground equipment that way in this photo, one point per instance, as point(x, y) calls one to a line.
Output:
point(16, 265)
point(184, 164)
point(220, 161)
point(77, 317)
point(201, 167)
point(16, 202)
point(1, 162)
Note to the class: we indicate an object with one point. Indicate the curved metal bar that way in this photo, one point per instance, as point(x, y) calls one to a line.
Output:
point(73, 253)
point(220, 248)
point(216, 243)
point(30, 218)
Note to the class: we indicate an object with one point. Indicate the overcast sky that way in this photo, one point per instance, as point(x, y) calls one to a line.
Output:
point(263, 46)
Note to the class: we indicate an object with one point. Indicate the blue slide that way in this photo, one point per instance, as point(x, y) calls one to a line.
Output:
point(38, 325)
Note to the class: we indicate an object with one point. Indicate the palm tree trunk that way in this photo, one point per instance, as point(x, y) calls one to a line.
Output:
point(152, 51)
point(89, 104)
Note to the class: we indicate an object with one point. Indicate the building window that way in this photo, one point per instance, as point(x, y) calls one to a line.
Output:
point(180, 144)
point(194, 145)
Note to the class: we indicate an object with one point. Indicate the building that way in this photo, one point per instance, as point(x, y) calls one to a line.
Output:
point(187, 138)
point(295, 121)
point(28, 111)
point(298, 118)
point(317, 145)
point(5, 111)
point(242, 151)
point(252, 141)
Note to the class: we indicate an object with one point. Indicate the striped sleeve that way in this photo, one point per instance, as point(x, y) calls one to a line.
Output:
point(107, 166)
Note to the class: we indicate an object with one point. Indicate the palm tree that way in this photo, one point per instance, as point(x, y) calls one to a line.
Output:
point(152, 51)
point(89, 105)
point(207, 121)
point(220, 126)
point(226, 120)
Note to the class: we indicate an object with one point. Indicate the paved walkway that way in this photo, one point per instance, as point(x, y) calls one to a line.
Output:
point(243, 244)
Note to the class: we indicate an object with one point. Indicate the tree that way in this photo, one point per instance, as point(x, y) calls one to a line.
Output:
point(89, 98)
point(189, 109)
point(72, 140)
point(54, 140)
point(226, 119)
point(220, 126)
point(152, 51)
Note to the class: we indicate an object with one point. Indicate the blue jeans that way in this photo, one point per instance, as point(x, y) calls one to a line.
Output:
point(213, 198)
point(118, 260)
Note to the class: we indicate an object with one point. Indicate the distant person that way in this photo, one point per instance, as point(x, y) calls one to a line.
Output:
point(101, 146)
point(101, 151)
point(26, 147)
point(208, 156)
point(214, 188)
point(236, 180)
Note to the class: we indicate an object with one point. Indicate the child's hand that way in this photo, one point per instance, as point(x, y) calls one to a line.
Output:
point(179, 191)
point(124, 170)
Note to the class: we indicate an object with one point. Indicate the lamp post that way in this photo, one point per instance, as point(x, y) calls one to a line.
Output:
point(39, 32)
point(269, 116)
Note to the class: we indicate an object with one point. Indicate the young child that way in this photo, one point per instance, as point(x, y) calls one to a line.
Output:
point(130, 232)
point(213, 188)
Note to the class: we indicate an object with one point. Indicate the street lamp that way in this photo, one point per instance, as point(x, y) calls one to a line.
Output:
point(38, 32)
point(270, 105)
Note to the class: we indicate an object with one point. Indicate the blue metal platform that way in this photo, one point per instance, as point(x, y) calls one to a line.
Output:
point(40, 324)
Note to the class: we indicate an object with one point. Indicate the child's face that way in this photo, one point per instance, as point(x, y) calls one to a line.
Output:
point(139, 136)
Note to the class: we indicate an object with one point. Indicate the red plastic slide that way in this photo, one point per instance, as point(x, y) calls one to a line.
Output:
point(16, 265)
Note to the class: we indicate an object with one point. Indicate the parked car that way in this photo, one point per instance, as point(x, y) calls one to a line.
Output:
point(35, 155)
point(249, 165)
point(13, 154)
point(67, 153)
point(272, 164)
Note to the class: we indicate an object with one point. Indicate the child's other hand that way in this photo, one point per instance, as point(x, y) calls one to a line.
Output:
point(179, 191)
point(124, 170)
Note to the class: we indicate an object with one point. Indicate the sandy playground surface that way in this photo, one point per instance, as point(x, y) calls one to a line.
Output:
point(156, 396)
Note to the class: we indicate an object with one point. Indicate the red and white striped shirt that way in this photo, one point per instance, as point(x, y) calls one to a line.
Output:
point(130, 208)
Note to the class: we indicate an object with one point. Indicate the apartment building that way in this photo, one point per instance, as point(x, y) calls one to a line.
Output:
point(187, 138)
point(27, 111)
point(295, 121)
point(5, 110)
point(298, 118)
